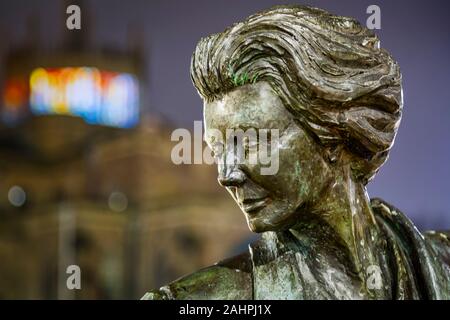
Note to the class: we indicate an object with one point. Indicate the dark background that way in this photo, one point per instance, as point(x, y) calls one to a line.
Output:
point(416, 33)
point(414, 179)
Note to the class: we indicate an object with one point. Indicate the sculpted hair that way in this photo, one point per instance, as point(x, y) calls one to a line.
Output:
point(328, 70)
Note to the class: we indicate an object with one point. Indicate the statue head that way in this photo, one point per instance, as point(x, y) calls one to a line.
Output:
point(322, 81)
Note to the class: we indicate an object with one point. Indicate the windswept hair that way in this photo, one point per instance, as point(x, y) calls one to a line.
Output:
point(328, 70)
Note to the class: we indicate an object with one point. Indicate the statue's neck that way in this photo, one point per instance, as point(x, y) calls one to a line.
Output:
point(345, 206)
point(345, 213)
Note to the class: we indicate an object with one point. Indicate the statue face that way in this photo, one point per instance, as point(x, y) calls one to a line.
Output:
point(269, 202)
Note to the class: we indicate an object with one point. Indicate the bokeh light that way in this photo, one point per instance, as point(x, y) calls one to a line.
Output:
point(99, 97)
point(17, 196)
point(117, 201)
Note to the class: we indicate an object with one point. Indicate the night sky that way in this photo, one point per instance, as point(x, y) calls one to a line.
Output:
point(415, 178)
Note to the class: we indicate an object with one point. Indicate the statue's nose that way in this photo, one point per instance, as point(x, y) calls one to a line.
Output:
point(231, 178)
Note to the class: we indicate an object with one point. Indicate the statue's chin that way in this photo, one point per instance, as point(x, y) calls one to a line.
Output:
point(258, 225)
point(261, 223)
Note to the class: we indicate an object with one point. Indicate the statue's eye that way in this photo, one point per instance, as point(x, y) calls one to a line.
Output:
point(250, 145)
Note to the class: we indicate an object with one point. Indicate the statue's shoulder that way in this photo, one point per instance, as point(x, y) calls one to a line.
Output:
point(426, 254)
point(440, 241)
point(227, 279)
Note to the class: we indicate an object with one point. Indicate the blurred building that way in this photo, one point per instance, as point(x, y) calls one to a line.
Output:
point(86, 178)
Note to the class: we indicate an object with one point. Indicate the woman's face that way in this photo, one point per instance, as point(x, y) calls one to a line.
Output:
point(269, 201)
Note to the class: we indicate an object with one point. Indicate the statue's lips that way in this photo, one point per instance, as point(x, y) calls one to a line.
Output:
point(252, 206)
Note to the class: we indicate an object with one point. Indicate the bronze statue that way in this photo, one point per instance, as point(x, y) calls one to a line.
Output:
point(336, 99)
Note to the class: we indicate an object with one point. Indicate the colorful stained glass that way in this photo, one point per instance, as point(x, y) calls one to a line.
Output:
point(99, 97)
point(15, 99)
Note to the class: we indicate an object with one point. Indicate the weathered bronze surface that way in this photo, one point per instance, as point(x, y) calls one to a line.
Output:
point(335, 98)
